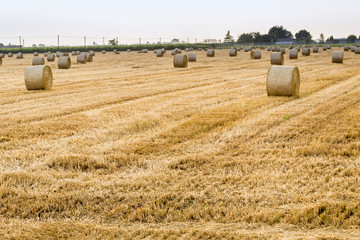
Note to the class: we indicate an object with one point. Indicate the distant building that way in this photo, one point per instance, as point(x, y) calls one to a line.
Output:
point(10, 46)
point(285, 41)
point(211, 41)
point(175, 41)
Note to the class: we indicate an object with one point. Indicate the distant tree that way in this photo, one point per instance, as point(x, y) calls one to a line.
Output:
point(331, 38)
point(261, 38)
point(279, 32)
point(303, 36)
point(34, 45)
point(228, 38)
point(351, 38)
point(113, 42)
point(245, 38)
point(322, 38)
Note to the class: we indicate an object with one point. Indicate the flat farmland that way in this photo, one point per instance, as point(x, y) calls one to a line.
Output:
point(128, 146)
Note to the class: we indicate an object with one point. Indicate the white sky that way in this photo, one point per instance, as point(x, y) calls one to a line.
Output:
point(152, 19)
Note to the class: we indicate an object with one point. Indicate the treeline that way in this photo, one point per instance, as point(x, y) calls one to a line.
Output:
point(279, 32)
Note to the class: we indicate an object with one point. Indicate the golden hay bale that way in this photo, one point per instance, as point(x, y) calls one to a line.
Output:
point(89, 57)
point(103, 52)
point(38, 61)
point(210, 53)
point(315, 49)
point(38, 78)
point(45, 54)
point(0, 61)
point(325, 48)
point(2, 55)
point(293, 54)
point(337, 57)
point(283, 50)
point(277, 49)
point(187, 50)
point(180, 61)
point(248, 49)
point(159, 53)
point(64, 62)
point(353, 48)
point(115, 51)
point(173, 52)
point(10, 54)
point(306, 51)
point(81, 58)
point(192, 57)
point(277, 58)
point(77, 52)
point(60, 54)
point(36, 54)
point(50, 57)
point(144, 50)
point(255, 54)
point(357, 50)
point(233, 52)
point(346, 48)
point(178, 50)
point(328, 47)
point(19, 55)
point(283, 81)
point(92, 53)
point(73, 53)
point(268, 49)
point(238, 49)
point(129, 50)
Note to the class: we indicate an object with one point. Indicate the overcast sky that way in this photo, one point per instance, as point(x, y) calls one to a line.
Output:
point(152, 19)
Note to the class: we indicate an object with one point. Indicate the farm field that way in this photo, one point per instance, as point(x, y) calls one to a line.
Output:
point(128, 146)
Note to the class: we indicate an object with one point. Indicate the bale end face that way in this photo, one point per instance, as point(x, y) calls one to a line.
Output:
point(38, 78)
point(255, 54)
point(283, 81)
point(180, 61)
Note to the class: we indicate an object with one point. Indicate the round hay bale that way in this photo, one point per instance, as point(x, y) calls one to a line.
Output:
point(10, 54)
point(248, 49)
point(315, 49)
point(129, 50)
point(255, 54)
point(60, 54)
point(293, 54)
point(144, 50)
point(173, 52)
point(192, 57)
point(73, 53)
point(115, 51)
point(38, 61)
point(325, 48)
point(283, 50)
point(50, 57)
point(353, 48)
point(2, 55)
point(277, 49)
point(163, 50)
point(268, 49)
point(19, 55)
point(45, 54)
point(328, 47)
point(238, 49)
point(64, 62)
point(92, 53)
point(89, 57)
point(337, 57)
point(346, 48)
point(233, 52)
point(180, 61)
point(103, 52)
point(357, 50)
point(210, 53)
point(283, 81)
point(306, 51)
point(81, 58)
point(187, 50)
point(159, 53)
point(277, 58)
point(36, 54)
point(178, 50)
point(0, 61)
point(38, 78)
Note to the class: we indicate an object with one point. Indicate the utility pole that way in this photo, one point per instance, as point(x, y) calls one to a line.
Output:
point(85, 41)
point(58, 39)
point(139, 41)
point(117, 41)
point(160, 40)
point(104, 41)
point(20, 43)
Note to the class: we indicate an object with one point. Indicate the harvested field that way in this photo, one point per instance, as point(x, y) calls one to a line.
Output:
point(128, 146)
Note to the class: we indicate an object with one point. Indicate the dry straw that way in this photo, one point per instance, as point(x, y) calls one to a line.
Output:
point(64, 62)
point(293, 54)
point(38, 61)
point(277, 58)
point(192, 57)
point(19, 55)
point(306, 51)
point(233, 52)
point(283, 81)
point(210, 53)
point(180, 61)
point(283, 50)
point(0, 61)
point(38, 77)
point(50, 57)
point(337, 57)
point(81, 58)
point(255, 54)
